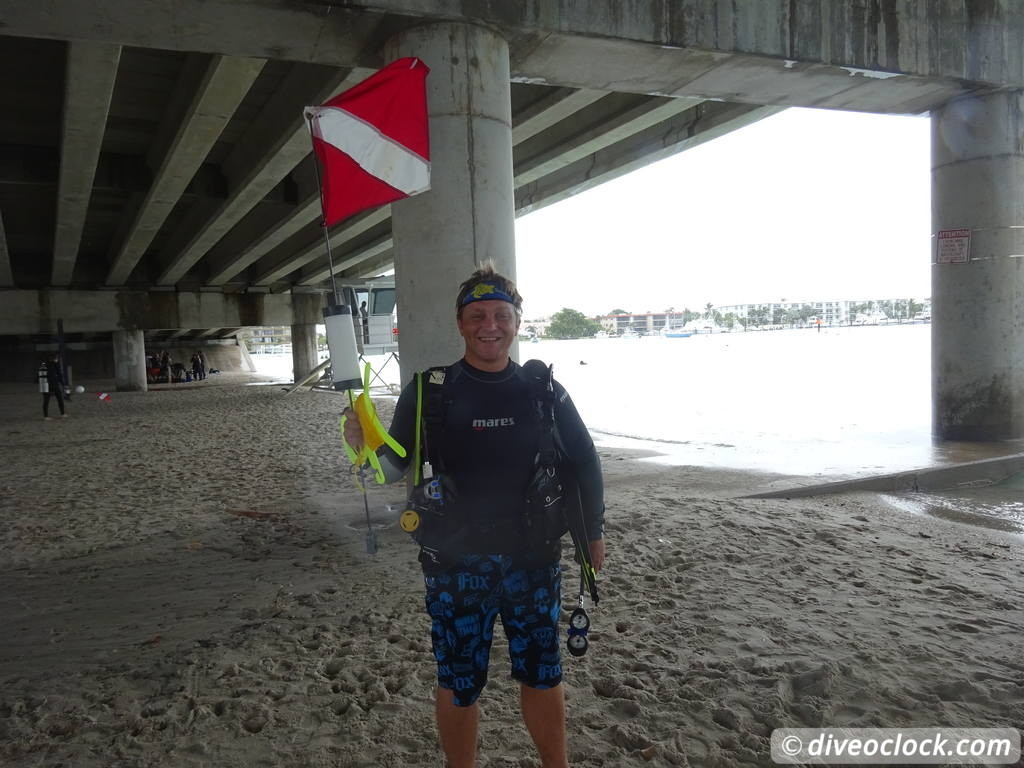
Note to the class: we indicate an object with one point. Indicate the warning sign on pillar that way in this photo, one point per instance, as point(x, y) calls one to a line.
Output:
point(954, 246)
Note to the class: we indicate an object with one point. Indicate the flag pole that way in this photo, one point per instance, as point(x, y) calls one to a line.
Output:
point(371, 535)
point(323, 214)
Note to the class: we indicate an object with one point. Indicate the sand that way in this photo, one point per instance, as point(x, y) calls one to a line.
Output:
point(185, 583)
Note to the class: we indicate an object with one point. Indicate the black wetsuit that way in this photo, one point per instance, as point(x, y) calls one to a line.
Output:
point(55, 383)
point(491, 435)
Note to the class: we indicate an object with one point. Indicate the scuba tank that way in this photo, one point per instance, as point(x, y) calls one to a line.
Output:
point(44, 384)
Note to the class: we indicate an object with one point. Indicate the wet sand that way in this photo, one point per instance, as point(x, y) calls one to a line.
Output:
point(186, 583)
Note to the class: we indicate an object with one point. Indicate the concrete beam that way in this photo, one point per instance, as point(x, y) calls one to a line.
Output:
point(208, 333)
point(24, 312)
point(908, 36)
point(304, 213)
point(367, 252)
point(277, 142)
point(6, 276)
point(647, 46)
point(88, 86)
point(377, 267)
point(290, 30)
point(556, 106)
point(350, 230)
point(603, 133)
point(223, 85)
point(706, 122)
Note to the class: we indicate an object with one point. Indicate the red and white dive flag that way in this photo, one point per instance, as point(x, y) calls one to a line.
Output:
point(372, 141)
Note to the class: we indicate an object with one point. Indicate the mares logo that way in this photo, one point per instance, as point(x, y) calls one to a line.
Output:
point(479, 424)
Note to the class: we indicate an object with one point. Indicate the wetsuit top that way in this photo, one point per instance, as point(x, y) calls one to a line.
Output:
point(54, 375)
point(490, 438)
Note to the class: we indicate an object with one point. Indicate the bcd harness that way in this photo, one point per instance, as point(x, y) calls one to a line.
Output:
point(552, 499)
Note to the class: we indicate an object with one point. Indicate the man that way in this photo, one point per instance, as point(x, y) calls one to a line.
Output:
point(364, 320)
point(489, 436)
point(54, 385)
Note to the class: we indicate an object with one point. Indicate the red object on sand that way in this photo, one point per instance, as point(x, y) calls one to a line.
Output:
point(103, 396)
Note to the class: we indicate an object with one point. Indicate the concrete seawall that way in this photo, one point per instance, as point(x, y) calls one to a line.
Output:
point(982, 472)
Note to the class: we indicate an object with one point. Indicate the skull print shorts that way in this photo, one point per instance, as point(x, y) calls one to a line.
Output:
point(463, 603)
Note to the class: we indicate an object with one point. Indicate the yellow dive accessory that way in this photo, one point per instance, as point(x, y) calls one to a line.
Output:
point(409, 520)
point(374, 434)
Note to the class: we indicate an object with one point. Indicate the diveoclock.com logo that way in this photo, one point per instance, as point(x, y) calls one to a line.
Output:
point(923, 746)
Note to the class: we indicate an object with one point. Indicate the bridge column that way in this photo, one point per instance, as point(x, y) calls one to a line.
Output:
point(303, 350)
point(468, 216)
point(130, 361)
point(977, 317)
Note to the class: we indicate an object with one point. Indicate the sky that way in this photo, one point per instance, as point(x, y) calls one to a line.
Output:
point(803, 205)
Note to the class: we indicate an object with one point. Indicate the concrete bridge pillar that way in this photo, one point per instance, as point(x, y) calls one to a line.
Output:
point(468, 216)
point(303, 350)
point(130, 361)
point(977, 314)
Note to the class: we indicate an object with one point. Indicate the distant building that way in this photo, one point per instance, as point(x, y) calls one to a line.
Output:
point(836, 312)
point(641, 324)
point(268, 340)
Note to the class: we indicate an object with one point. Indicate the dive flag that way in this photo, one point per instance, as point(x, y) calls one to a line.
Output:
point(372, 141)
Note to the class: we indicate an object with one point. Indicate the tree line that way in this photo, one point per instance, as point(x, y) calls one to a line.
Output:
point(570, 323)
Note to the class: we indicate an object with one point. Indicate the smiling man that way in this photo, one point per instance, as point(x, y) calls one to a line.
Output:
point(482, 430)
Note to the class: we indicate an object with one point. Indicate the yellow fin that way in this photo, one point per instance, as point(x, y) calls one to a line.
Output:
point(374, 433)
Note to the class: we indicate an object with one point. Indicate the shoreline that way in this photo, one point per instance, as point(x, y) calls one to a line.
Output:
point(188, 585)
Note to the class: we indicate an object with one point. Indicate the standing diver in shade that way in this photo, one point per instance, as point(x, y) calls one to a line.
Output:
point(54, 385)
point(480, 565)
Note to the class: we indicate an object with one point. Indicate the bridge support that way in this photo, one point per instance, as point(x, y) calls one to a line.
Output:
point(468, 216)
point(977, 319)
point(304, 358)
point(130, 361)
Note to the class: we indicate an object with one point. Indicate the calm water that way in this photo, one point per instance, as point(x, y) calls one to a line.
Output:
point(836, 403)
point(841, 401)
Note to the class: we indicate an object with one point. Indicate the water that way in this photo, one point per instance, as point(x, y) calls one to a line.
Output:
point(842, 402)
point(999, 507)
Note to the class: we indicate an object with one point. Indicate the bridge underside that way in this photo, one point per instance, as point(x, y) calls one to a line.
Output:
point(199, 175)
point(167, 149)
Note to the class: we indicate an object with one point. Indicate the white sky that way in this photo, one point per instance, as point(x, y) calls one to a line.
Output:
point(806, 204)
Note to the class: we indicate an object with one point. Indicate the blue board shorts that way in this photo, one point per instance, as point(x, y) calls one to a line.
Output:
point(463, 602)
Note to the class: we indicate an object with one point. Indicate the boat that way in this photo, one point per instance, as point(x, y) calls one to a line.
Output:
point(676, 333)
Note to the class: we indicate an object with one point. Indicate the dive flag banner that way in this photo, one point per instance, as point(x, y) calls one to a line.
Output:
point(372, 141)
